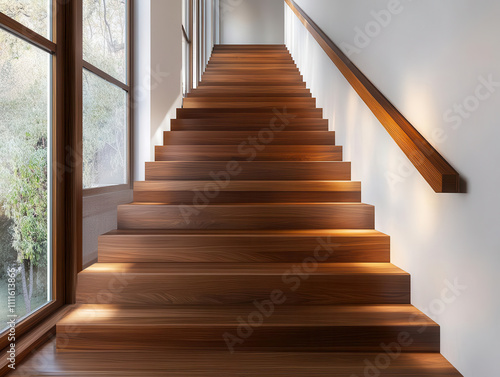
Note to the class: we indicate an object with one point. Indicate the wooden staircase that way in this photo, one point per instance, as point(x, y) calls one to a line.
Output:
point(247, 250)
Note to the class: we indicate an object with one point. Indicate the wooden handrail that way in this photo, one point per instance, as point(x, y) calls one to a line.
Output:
point(432, 166)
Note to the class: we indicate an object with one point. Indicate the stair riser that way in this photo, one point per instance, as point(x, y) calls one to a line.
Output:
point(247, 95)
point(283, 70)
point(236, 217)
point(225, 197)
point(238, 127)
point(232, 152)
point(299, 125)
point(236, 78)
point(248, 171)
point(267, 338)
point(265, 90)
point(234, 249)
point(262, 55)
point(255, 84)
point(166, 155)
point(190, 103)
point(249, 60)
point(257, 141)
point(265, 116)
point(177, 289)
point(243, 98)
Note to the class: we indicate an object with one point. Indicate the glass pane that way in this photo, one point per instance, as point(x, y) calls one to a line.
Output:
point(34, 14)
point(25, 256)
point(105, 36)
point(104, 133)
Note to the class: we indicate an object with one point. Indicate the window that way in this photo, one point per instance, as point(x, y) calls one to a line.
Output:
point(53, 53)
point(26, 97)
point(106, 93)
point(34, 14)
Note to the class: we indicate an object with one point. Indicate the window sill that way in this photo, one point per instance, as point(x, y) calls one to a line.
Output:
point(35, 338)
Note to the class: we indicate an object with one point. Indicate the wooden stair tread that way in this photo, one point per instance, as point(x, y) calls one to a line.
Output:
point(252, 185)
point(251, 233)
point(209, 316)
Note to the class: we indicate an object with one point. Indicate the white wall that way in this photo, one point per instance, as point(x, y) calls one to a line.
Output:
point(158, 75)
point(428, 57)
point(251, 21)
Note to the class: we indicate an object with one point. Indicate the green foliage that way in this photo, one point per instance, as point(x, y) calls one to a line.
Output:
point(8, 255)
point(24, 121)
point(23, 126)
point(26, 200)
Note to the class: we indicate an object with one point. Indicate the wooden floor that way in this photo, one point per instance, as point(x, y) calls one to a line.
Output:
point(246, 252)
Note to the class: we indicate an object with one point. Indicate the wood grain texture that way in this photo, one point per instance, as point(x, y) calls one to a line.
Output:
point(261, 139)
point(179, 192)
point(222, 171)
point(242, 284)
point(245, 125)
point(260, 114)
point(249, 69)
point(334, 328)
point(228, 102)
point(267, 90)
point(227, 246)
point(432, 166)
point(196, 214)
point(260, 83)
point(232, 152)
point(196, 363)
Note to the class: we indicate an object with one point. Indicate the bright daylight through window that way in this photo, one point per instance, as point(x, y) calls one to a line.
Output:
point(25, 153)
point(105, 93)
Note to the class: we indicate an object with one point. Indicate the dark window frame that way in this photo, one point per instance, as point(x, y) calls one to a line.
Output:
point(127, 87)
point(66, 49)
